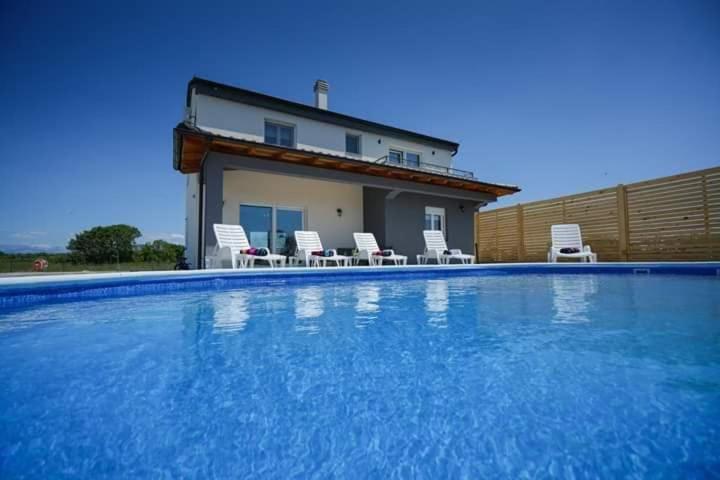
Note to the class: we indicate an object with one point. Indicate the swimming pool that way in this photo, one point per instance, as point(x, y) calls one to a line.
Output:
point(499, 376)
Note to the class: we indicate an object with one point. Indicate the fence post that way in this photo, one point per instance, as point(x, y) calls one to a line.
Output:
point(521, 233)
point(622, 218)
point(709, 255)
point(497, 239)
point(475, 236)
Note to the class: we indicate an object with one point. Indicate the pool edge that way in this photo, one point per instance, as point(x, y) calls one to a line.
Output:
point(20, 291)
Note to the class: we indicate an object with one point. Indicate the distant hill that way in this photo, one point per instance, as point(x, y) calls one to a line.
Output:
point(20, 248)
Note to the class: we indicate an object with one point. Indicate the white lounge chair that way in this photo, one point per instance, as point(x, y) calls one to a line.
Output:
point(234, 239)
point(568, 237)
point(435, 248)
point(309, 242)
point(368, 250)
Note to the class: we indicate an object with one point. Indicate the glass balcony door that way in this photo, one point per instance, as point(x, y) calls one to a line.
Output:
point(395, 157)
point(399, 157)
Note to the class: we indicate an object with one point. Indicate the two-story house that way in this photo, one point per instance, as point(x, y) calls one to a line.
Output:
point(275, 166)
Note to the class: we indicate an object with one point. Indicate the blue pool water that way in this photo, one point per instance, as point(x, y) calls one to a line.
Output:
point(514, 376)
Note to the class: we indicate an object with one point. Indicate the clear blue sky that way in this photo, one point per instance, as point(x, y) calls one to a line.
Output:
point(556, 97)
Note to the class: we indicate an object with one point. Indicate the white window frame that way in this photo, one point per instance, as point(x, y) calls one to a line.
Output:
point(273, 217)
point(280, 123)
point(438, 212)
point(359, 137)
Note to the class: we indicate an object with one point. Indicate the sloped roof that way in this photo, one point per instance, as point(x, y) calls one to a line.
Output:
point(249, 97)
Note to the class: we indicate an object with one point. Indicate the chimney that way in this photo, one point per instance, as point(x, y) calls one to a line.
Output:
point(321, 94)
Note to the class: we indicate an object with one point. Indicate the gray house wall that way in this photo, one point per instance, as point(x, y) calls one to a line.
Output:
point(397, 222)
point(374, 212)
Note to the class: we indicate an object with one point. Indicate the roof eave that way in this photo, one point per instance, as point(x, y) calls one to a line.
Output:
point(207, 138)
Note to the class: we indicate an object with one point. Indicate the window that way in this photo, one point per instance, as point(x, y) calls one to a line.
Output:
point(399, 157)
point(278, 134)
point(435, 219)
point(352, 144)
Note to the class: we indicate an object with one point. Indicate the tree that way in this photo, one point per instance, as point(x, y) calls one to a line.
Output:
point(113, 243)
point(160, 251)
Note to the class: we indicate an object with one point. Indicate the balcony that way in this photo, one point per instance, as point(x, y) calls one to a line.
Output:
point(426, 167)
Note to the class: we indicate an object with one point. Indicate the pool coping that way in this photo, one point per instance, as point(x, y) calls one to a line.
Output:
point(16, 291)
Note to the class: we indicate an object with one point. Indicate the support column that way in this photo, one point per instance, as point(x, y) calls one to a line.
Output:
point(213, 204)
point(374, 213)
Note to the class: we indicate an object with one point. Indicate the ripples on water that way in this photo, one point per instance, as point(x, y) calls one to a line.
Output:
point(494, 377)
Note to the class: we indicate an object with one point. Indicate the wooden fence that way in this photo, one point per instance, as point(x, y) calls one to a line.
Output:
point(667, 219)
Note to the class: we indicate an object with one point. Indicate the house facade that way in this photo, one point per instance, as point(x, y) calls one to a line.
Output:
point(276, 166)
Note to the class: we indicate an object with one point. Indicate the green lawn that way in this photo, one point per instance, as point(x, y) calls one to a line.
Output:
point(24, 264)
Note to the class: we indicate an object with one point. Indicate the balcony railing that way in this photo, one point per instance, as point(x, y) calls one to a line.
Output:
point(427, 167)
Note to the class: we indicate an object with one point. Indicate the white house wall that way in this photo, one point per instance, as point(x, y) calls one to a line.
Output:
point(319, 200)
point(247, 122)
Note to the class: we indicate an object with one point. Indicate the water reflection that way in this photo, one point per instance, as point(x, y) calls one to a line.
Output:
point(231, 311)
point(367, 304)
point(572, 297)
point(436, 302)
point(309, 305)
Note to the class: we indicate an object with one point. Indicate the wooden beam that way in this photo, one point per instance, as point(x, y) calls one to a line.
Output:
point(289, 158)
point(263, 153)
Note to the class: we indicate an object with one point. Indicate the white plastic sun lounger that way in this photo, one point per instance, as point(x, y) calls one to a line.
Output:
point(309, 242)
point(568, 236)
point(435, 248)
point(368, 250)
point(234, 239)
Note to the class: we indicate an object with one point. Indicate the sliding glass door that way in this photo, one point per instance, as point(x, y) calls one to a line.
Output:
point(272, 227)
point(287, 220)
point(257, 223)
